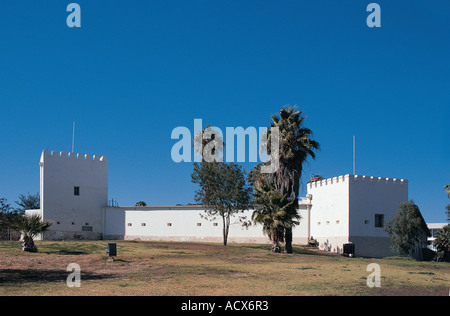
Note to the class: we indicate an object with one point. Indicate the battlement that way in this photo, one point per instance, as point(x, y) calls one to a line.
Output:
point(65, 155)
point(355, 178)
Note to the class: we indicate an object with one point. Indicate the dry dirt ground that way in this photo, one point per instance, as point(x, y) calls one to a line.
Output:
point(159, 268)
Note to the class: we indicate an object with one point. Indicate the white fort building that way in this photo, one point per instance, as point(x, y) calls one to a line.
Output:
point(335, 211)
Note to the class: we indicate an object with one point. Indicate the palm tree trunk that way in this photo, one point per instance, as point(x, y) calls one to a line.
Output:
point(276, 246)
point(288, 240)
point(28, 244)
point(277, 238)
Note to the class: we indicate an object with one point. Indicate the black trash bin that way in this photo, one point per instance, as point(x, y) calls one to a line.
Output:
point(349, 250)
point(112, 249)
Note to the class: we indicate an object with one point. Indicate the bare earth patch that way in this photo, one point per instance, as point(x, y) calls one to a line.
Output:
point(177, 268)
point(23, 269)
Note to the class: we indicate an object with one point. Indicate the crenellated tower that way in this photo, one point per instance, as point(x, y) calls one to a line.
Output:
point(74, 192)
point(355, 208)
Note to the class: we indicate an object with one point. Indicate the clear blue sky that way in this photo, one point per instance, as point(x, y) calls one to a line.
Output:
point(135, 70)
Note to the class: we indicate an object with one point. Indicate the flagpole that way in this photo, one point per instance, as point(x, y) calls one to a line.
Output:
point(73, 137)
point(354, 155)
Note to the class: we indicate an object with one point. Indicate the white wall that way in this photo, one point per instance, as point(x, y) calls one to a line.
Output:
point(60, 173)
point(114, 223)
point(343, 210)
point(374, 195)
point(329, 212)
point(186, 225)
point(33, 212)
point(370, 196)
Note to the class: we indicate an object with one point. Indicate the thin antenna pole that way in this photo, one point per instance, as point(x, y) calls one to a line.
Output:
point(354, 155)
point(73, 137)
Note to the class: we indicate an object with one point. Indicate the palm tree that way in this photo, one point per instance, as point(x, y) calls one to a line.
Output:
point(442, 243)
point(30, 227)
point(296, 146)
point(274, 212)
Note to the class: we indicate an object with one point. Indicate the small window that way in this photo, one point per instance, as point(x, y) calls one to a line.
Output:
point(215, 224)
point(366, 221)
point(328, 222)
point(379, 220)
point(318, 223)
point(169, 224)
point(129, 224)
point(73, 223)
point(199, 224)
point(337, 222)
point(57, 223)
point(76, 191)
point(143, 224)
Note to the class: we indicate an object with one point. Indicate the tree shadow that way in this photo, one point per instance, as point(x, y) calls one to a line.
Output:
point(67, 252)
point(19, 276)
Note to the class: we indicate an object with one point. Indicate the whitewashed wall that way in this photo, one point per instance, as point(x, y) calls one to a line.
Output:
point(374, 195)
point(330, 212)
point(370, 196)
point(343, 210)
point(184, 223)
point(73, 215)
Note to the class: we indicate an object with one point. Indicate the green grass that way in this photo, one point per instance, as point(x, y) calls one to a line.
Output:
point(175, 268)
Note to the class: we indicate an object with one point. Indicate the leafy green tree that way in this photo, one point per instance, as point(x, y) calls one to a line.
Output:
point(30, 227)
point(6, 212)
point(208, 144)
point(28, 202)
point(4, 207)
point(295, 146)
point(223, 191)
point(442, 238)
point(273, 211)
point(407, 229)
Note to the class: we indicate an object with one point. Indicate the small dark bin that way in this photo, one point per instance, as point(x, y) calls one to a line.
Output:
point(349, 250)
point(112, 249)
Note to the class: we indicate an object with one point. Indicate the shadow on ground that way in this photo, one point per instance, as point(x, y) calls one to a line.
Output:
point(69, 252)
point(18, 276)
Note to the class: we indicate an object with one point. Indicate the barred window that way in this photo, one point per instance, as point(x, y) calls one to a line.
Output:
point(379, 220)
